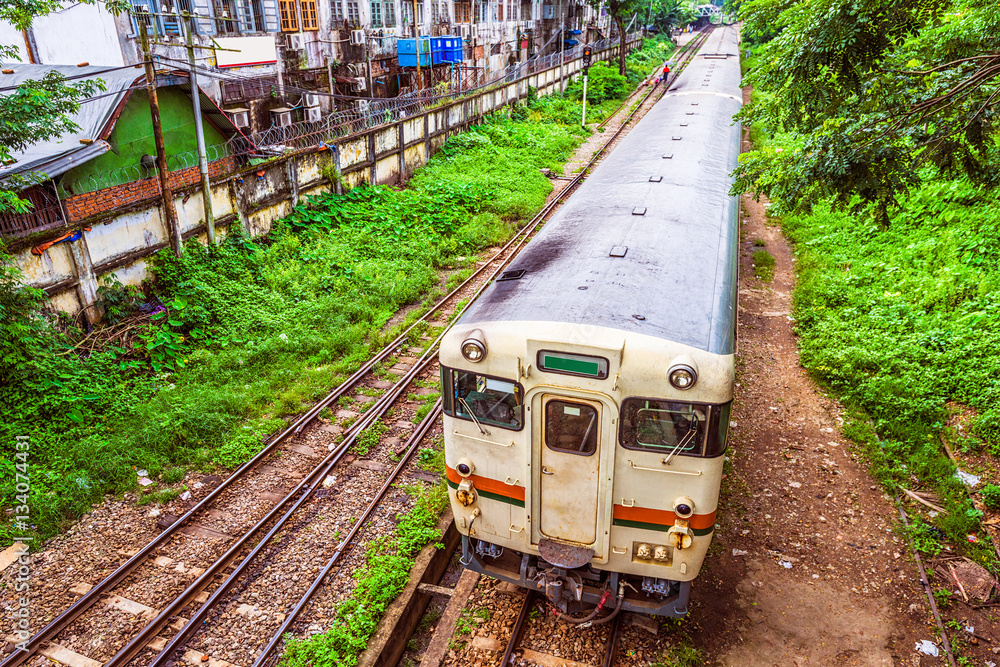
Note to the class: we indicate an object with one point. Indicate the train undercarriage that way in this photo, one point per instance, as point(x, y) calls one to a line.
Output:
point(574, 588)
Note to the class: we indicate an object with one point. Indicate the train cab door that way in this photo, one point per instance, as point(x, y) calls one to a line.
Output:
point(570, 458)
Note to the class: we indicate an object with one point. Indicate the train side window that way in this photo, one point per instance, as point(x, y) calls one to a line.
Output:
point(665, 427)
point(571, 427)
point(445, 393)
point(717, 430)
point(487, 399)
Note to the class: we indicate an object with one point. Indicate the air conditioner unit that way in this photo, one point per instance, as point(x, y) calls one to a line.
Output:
point(362, 105)
point(548, 11)
point(357, 37)
point(360, 83)
point(463, 31)
point(240, 117)
point(296, 41)
point(281, 117)
point(314, 114)
point(474, 32)
point(312, 100)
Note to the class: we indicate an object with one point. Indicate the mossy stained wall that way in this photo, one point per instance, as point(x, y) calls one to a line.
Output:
point(132, 137)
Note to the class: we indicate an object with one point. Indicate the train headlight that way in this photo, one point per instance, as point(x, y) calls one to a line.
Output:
point(683, 507)
point(474, 347)
point(682, 376)
point(465, 468)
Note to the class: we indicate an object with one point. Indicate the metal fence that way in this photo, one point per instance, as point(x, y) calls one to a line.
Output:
point(368, 113)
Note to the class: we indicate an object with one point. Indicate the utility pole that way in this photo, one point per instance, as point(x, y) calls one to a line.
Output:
point(416, 36)
point(199, 130)
point(280, 67)
point(173, 227)
point(562, 43)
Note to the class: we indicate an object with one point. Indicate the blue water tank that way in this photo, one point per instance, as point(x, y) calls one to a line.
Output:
point(407, 51)
point(456, 49)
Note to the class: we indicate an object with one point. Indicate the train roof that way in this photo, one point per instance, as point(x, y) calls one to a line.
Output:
point(647, 244)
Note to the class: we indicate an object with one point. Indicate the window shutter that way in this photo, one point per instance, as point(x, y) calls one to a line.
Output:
point(270, 9)
point(244, 16)
point(203, 8)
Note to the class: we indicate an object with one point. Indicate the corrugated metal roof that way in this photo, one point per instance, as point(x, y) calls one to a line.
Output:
point(60, 154)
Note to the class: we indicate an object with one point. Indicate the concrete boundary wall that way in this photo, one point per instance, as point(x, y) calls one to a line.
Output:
point(128, 224)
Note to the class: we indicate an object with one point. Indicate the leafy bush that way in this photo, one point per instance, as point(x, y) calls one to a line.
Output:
point(603, 83)
point(990, 495)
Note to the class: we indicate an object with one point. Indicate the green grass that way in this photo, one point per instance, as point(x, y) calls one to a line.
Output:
point(681, 656)
point(763, 265)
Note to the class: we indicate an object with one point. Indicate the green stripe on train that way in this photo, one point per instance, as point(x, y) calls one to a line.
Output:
point(656, 526)
point(493, 496)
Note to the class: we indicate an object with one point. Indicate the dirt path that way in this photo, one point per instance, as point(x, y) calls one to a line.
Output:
point(808, 569)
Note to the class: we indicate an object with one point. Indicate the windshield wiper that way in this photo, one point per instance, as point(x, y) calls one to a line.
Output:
point(688, 437)
point(471, 414)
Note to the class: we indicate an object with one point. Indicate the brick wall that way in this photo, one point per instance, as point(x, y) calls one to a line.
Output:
point(81, 207)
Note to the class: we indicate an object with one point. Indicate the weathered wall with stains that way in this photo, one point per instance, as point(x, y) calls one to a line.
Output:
point(123, 228)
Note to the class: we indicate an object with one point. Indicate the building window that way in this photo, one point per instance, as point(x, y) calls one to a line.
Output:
point(289, 21)
point(463, 12)
point(337, 11)
point(376, 13)
point(389, 14)
point(498, 11)
point(310, 19)
point(353, 12)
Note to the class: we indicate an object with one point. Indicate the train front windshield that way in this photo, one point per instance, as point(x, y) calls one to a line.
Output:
point(486, 399)
point(673, 428)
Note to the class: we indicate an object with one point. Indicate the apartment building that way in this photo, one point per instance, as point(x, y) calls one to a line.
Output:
point(267, 52)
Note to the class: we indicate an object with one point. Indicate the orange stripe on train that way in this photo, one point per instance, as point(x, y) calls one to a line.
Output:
point(661, 517)
point(488, 485)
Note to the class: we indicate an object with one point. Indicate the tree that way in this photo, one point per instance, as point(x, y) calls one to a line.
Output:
point(874, 90)
point(619, 11)
point(666, 15)
point(36, 110)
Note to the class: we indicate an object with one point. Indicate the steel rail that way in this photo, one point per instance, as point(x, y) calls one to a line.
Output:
point(306, 486)
point(518, 630)
point(80, 606)
point(611, 648)
point(410, 446)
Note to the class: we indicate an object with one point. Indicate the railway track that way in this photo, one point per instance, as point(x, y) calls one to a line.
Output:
point(686, 53)
point(516, 645)
point(201, 597)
